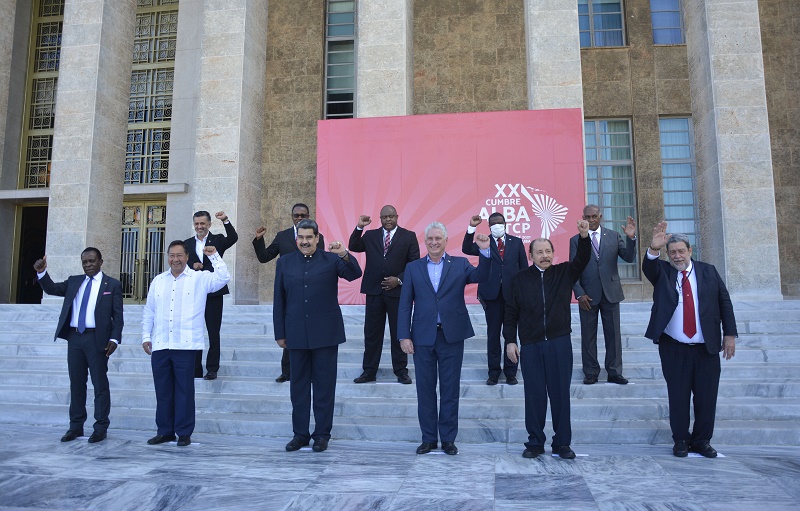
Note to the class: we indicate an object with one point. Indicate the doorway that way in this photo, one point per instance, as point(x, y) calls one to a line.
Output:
point(33, 235)
point(142, 252)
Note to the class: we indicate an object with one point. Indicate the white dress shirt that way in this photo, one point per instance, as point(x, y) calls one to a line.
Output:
point(174, 315)
point(199, 245)
point(674, 328)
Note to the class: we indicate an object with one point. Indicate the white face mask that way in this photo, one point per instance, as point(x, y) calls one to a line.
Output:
point(498, 230)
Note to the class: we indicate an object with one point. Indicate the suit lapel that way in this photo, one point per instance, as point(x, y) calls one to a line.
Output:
point(103, 288)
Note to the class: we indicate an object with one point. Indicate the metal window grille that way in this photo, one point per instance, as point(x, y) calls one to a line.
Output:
point(43, 103)
point(141, 263)
point(601, 23)
point(147, 156)
point(340, 63)
point(610, 176)
point(155, 37)
point(667, 19)
point(678, 173)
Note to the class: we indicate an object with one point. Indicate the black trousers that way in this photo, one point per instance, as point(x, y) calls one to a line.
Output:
point(285, 366)
point(174, 383)
point(378, 308)
point(609, 313)
point(84, 356)
point(313, 371)
point(495, 347)
point(213, 325)
point(692, 375)
point(547, 371)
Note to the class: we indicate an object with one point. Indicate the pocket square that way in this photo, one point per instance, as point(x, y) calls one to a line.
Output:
point(106, 293)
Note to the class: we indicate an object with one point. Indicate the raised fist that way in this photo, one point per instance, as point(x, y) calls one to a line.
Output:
point(475, 221)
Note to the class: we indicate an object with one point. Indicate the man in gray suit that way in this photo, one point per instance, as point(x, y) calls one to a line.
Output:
point(599, 291)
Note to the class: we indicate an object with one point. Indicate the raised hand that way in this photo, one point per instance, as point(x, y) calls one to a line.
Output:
point(364, 220)
point(221, 216)
point(583, 228)
point(209, 250)
point(40, 265)
point(630, 227)
point(660, 236)
point(475, 221)
point(260, 232)
point(482, 241)
point(337, 247)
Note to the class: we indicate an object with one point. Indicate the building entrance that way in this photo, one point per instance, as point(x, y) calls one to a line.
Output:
point(142, 256)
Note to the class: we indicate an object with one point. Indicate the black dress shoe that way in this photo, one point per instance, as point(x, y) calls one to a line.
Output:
point(183, 441)
point(680, 449)
point(426, 447)
point(492, 380)
point(295, 444)
point(161, 439)
point(282, 378)
point(511, 380)
point(618, 379)
point(449, 448)
point(704, 449)
point(71, 435)
point(97, 437)
point(590, 380)
point(364, 378)
point(533, 452)
point(565, 452)
point(211, 375)
point(404, 379)
point(320, 445)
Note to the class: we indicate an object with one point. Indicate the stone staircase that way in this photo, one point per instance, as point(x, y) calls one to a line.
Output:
point(759, 394)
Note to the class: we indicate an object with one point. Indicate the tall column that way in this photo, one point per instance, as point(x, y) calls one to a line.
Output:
point(554, 54)
point(230, 126)
point(384, 71)
point(86, 179)
point(734, 163)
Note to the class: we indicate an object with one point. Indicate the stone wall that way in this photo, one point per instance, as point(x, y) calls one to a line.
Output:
point(781, 55)
point(469, 56)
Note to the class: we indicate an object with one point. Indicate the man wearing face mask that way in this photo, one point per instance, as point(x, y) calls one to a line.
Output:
point(690, 302)
point(508, 258)
point(539, 309)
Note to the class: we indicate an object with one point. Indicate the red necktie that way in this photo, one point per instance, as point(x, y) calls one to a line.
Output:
point(386, 241)
point(689, 321)
point(501, 247)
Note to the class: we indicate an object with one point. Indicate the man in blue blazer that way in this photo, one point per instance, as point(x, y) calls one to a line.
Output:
point(599, 290)
point(508, 258)
point(91, 322)
point(199, 261)
point(308, 321)
point(388, 248)
point(434, 285)
point(690, 302)
point(285, 242)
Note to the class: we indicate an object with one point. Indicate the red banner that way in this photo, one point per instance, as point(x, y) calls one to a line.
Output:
point(527, 165)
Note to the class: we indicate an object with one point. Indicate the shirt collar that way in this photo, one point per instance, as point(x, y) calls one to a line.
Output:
point(391, 233)
point(428, 258)
point(201, 240)
point(599, 228)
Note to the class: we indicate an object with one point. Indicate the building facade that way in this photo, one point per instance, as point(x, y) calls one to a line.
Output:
point(120, 118)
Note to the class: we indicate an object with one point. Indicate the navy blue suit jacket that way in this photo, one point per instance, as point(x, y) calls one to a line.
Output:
point(501, 271)
point(305, 308)
point(447, 302)
point(221, 243)
point(713, 301)
point(284, 243)
point(107, 310)
point(403, 249)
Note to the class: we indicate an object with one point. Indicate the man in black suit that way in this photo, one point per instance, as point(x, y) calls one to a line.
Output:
point(285, 242)
point(308, 321)
point(91, 322)
point(599, 291)
point(388, 251)
point(508, 258)
point(199, 261)
point(690, 301)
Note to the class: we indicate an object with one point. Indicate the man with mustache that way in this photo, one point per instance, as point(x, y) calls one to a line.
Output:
point(540, 309)
point(690, 302)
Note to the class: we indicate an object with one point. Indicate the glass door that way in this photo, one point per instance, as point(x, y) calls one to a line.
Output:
point(142, 257)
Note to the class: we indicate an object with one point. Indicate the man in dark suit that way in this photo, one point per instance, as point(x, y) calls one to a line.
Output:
point(508, 258)
point(690, 301)
point(198, 262)
point(388, 250)
point(434, 287)
point(308, 321)
point(285, 242)
point(599, 291)
point(91, 322)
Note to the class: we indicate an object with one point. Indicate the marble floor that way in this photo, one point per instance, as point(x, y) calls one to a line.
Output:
point(244, 473)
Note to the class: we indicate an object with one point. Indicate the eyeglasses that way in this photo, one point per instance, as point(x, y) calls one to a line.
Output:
point(299, 215)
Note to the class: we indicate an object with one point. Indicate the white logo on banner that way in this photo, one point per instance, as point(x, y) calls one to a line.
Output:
point(508, 200)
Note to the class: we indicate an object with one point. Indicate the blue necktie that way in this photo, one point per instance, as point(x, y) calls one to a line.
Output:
point(84, 304)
